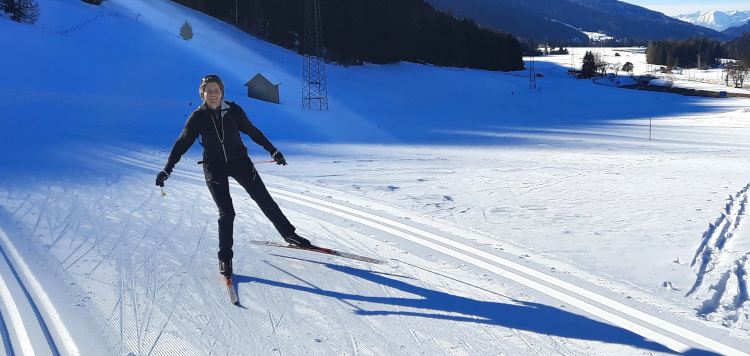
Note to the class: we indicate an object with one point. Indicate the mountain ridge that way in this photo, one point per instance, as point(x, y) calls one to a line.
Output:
point(737, 31)
point(533, 19)
point(717, 20)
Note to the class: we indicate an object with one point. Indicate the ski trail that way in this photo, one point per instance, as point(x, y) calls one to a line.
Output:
point(127, 262)
point(665, 333)
point(721, 275)
point(7, 345)
point(614, 312)
point(343, 316)
point(272, 324)
point(121, 310)
point(29, 284)
point(16, 320)
point(174, 310)
point(405, 324)
point(96, 247)
point(465, 334)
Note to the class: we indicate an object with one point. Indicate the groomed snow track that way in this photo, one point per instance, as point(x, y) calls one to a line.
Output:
point(674, 337)
point(26, 312)
point(668, 334)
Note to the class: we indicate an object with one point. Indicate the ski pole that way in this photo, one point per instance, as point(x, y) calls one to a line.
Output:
point(259, 162)
point(163, 193)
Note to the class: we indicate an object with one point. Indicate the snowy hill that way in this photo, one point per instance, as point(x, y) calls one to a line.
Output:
point(717, 20)
point(573, 218)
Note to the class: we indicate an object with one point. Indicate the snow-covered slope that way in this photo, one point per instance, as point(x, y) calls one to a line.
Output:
point(571, 219)
point(717, 20)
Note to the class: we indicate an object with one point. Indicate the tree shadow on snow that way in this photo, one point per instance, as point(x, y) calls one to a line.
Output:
point(527, 316)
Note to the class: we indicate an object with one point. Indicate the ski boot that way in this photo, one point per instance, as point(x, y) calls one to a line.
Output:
point(225, 268)
point(296, 240)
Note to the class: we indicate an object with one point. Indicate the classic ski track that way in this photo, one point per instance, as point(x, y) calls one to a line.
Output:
point(648, 326)
point(7, 345)
point(34, 297)
point(10, 308)
point(652, 327)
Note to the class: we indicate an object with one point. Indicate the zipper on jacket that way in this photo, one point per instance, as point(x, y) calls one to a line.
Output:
point(222, 136)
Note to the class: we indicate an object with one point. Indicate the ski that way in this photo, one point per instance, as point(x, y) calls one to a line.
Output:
point(230, 290)
point(324, 250)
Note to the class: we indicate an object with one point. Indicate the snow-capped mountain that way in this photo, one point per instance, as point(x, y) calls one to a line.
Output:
point(717, 20)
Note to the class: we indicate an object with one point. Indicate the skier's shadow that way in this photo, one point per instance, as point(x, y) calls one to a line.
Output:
point(522, 315)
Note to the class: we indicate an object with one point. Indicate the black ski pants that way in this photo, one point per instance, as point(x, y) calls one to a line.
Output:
point(243, 171)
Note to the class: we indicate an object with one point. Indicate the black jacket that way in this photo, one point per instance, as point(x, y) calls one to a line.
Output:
point(220, 135)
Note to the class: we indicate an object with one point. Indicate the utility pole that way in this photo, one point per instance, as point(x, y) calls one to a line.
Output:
point(532, 74)
point(699, 61)
point(314, 86)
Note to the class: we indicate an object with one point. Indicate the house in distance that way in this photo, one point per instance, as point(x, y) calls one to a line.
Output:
point(262, 89)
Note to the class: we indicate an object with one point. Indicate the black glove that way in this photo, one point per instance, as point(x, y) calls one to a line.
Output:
point(279, 158)
point(161, 177)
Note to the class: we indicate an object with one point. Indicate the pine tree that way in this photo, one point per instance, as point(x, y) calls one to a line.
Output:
point(21, 10)
point(588, 70)
point(186, 31)
point(628, 67)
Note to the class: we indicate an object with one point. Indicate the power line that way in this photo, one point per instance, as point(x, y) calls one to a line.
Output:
point(314, 85)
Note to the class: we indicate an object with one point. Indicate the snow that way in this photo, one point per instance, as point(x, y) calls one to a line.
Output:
point(596, 36)
point(574, 218)
point(717, 20)
point(593, 36)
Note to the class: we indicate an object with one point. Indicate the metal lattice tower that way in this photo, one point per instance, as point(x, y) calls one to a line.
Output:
point(314, 87)
point(532, 74)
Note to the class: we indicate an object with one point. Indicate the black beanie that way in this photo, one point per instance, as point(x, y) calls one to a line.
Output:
point(211, 78)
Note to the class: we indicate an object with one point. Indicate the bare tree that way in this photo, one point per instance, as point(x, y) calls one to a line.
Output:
point(601, 64)
point(737, 73)
point(615, 68)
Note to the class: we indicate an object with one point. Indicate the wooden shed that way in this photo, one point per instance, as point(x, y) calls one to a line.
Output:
point(262, 89)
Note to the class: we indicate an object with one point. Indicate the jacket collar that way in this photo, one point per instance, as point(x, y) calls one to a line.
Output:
point(224, 107)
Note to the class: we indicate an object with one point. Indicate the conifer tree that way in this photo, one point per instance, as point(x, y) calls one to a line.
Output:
point(186, 31)
point(628, 67)
point(20, 10)
point(588, 70)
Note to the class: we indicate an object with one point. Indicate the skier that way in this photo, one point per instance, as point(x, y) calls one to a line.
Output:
point(219, 123)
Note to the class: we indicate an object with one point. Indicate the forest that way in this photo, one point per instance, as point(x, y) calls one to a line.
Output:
point(374, 31)
point(698, 52)
point(739, 48)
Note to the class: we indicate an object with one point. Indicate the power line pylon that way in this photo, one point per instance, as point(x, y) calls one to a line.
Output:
point(314, 87)
point(532, 74)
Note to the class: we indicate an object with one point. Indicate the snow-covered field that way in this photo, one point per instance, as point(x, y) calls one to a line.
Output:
point(570, 219)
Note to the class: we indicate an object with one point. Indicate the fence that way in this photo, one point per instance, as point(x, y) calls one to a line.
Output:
point(87, 22)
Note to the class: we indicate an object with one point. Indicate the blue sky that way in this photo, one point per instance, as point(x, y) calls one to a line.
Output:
point(679, 7)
